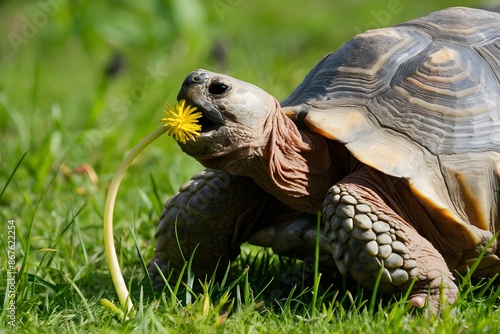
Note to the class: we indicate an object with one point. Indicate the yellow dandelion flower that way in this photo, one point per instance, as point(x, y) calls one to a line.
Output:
point(182, 122)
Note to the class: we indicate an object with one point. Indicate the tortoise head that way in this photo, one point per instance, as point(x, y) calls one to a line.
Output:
point(234, 114)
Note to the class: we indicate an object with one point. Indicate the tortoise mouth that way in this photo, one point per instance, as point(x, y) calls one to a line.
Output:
point(207, 124)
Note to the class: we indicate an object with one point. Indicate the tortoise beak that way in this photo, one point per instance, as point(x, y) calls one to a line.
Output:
point(194, 92)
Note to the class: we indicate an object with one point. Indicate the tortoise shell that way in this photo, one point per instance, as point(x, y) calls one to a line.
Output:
point(421, 102)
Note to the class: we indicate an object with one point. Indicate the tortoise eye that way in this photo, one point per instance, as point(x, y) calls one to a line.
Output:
point(217, 88)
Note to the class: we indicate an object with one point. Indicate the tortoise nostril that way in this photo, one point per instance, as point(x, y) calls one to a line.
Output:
point(196, 77)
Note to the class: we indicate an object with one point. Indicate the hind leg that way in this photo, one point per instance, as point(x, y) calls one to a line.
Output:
point(293, 234)
point(368, 237)
point(210, 216)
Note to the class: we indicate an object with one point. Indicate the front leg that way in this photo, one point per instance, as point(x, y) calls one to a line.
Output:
point(367, 236)
point(211, 215)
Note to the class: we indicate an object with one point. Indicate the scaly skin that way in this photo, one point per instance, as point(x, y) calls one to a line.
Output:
point(211, 215)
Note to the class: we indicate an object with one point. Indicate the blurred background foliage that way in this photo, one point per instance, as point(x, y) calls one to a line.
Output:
point(81, 82)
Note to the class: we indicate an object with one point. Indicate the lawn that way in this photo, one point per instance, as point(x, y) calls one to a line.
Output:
point(81, 83)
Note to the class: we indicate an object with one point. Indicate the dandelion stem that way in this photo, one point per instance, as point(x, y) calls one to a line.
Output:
point(111, 257)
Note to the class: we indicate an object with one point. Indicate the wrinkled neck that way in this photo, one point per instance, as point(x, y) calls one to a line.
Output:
point(296, 165)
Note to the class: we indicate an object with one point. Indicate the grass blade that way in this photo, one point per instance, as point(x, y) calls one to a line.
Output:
point(82, 297)
point(317, 275)
point(12, 174)
point(144, 267)
point(373, 298)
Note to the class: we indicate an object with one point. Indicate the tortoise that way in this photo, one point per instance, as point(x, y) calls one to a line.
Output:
point(394, 139)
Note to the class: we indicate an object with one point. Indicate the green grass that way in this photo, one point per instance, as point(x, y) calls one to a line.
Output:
point(67, 121)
